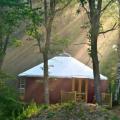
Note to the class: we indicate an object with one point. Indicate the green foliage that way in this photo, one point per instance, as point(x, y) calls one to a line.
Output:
point(29, 111)
point(10, 107)
point(12, 13)
point(83, 2)
point(36, 25)
point(35, 22)
point(9, 103)
point(15, 42)
point(115, 118)
point(10, 17)
point(5, 79)
point(8, 2)
point(111, 12)
point(66, 111)
point(47, 111)
point(109, 69)
point(59, 45)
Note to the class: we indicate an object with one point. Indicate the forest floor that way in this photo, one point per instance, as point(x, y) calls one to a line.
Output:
point(116, 110)
point(74, 111)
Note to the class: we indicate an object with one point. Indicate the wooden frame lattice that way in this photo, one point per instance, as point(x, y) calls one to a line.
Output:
point(68, 96)
point(72, 96)
point(107, 99)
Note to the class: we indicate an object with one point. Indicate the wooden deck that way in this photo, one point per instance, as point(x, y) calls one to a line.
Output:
point(75, 96)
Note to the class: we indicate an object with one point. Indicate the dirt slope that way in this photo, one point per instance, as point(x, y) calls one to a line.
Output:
point(27, 55)
point(69, 25)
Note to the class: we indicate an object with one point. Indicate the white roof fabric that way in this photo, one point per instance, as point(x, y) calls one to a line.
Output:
point(62, 67)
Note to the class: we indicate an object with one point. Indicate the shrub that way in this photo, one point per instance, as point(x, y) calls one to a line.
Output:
point(29, 111)
point(10, 106)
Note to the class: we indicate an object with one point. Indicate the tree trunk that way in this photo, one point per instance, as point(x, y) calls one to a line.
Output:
point(94, 55)
point(45, 57)
point(46, 77)
point(46, 67)
point(1, 62)
point(96, 73)
point(117, 92)
point(3, 50)
point(94, 33)
point(48, 26)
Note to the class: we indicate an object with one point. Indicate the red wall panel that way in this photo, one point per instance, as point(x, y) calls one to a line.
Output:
point(103, 87)
point(35, 90)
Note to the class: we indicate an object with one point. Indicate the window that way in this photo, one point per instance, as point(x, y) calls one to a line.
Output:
point(22, 86)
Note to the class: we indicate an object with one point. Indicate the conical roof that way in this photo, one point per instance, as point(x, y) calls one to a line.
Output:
point(63, 66)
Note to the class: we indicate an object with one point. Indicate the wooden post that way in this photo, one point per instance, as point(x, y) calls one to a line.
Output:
point(86, 90)
point(110, 100)
point(80, 86)
point(73, 84)
point(61, 96)
point(75, 97)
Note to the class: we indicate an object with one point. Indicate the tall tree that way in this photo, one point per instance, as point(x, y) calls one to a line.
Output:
point(117, 92)
point(94, 12)
point(43, 33)
point(49, 6)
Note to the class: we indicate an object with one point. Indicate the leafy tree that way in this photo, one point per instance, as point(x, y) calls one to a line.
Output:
point(10, 16)
point(49, 17)
point(94, 14)
point(42, 21)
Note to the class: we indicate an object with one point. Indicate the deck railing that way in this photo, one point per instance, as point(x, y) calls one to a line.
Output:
point(81, 97)
point(68, 96)
point(107, 100)
point(72, 96)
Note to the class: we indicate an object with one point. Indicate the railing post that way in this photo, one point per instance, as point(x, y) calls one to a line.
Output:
point(61, 95)
point(80, 85)
point(111, 100)
point(73, 84)
point(86, 90)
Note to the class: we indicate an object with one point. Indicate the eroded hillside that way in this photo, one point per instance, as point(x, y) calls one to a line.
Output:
point(71, 26)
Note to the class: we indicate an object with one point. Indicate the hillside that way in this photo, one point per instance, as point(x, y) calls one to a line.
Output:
point(67, 111)
point(69, 25)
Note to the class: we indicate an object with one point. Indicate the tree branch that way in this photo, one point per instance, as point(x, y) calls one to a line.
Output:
point(107, 5)
point(113, 28)
point(59, 9)
point(6, 43)
point(82, 44)
point(88, 13)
